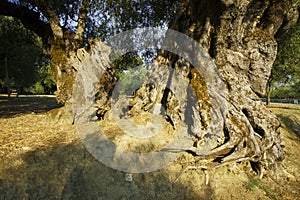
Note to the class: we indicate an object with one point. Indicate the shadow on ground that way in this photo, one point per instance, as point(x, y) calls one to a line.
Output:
point(58, 169)
point(26, 105)
point(292, 125)
point(69, 172)
point(56, 165)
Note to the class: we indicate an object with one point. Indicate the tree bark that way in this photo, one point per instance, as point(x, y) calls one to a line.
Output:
point(239, 36)
point(269, 91)
point(60, 45)
point(30, 19)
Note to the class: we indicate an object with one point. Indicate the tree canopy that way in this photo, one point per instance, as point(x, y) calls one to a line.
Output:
point(23, 51)
point(22, 48)
point(87, 18)
point(66, 25)
point(285, 76)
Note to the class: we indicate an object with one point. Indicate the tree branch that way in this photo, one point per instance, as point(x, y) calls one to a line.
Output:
point(29, 18)
point(52, 17)
point(83, 10)
point(280, 17)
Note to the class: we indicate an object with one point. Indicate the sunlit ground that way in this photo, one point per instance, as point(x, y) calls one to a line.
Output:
point(41, 160)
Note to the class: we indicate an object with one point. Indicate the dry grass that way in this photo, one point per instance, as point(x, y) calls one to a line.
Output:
point(26, 105)
point(42, 161)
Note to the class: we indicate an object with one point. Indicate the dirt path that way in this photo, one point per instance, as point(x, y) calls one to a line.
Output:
point(42, 161)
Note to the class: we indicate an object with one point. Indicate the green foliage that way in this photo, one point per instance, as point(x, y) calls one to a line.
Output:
point(44, 78)
point(66, 10)
point(286, 92)
point(23, 50)
point(132, 79)
point(130, 71)
point(106, 17)
point(287, 64)
point(109, 17)
point(43, 83)
point(285, 75)
point(36, 88)
point(14, 35)
point(126, 61)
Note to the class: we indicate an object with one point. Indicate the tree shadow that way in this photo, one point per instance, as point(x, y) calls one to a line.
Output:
point(292, 125)
point(70, 172)
point(26, 105)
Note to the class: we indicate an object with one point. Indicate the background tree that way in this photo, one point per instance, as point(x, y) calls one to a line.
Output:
point(125, 62)
point(131, 80)
point(43, 83)
point(22, 49)
point(285, 77)
point(65, 26)
point(28, 70)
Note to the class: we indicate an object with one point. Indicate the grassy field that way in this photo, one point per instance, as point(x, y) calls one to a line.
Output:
point(40, 160)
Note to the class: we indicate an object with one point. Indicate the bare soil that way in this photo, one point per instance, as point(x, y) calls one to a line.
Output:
point(42, 160)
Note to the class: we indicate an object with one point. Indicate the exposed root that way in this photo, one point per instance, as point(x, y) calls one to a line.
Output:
point(207, 168)
point(252, 134)
point(220, 151)
point(206, 177)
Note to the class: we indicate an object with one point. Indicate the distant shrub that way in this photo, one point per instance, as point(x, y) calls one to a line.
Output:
point(36, 88)
point(131, 80)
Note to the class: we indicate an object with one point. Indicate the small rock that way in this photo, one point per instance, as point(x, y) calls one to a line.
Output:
point(128, 177)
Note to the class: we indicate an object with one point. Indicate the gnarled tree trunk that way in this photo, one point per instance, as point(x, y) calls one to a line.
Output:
point(60, 44)
point(240, 37)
